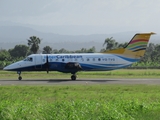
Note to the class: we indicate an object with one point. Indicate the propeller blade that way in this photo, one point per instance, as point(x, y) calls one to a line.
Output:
point(47, 64)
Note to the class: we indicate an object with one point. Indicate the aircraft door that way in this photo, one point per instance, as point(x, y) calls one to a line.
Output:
point(38, 61)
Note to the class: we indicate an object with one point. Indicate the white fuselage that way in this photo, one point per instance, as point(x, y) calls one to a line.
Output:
point(57, 62)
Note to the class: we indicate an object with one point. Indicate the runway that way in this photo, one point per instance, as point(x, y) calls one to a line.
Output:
point(80, 81)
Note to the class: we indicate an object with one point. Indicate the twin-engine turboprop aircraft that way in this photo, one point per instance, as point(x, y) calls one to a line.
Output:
point(72, 63)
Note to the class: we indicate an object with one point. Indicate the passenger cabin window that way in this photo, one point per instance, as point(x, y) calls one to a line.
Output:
point(56, 59)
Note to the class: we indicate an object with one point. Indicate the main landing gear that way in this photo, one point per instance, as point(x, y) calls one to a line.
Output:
point(19, 73)
point(73, 77)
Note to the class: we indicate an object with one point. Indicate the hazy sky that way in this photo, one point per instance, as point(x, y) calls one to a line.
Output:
point(139, 15)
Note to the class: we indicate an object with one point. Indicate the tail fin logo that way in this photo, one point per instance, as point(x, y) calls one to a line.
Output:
point(137, 45)
point(139, 42)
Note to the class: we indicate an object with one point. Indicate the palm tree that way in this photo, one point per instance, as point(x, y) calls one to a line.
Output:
point(110, 43)
point(33, 43)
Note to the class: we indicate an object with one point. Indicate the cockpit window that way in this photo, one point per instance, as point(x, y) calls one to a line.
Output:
point(31, 59)
point(28, 59)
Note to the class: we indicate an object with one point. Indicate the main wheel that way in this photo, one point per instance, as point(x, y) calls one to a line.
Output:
point(19, 78)
point(73, 77)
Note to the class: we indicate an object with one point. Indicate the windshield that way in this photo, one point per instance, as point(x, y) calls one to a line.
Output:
point(28, 59)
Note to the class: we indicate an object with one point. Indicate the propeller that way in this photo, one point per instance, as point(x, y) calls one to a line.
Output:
point(47, 64)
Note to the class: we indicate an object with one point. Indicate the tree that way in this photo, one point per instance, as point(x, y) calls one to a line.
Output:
point(110, 43)
point(155, 55)
point(62, 50)
point(148, 56)
point(19, 51)
point(83, 50)
point(4, 55)
point(102, 50)
point(55, 51)
point(122, 45)
point(33, 43)
point(47, 50)
point(91, 50)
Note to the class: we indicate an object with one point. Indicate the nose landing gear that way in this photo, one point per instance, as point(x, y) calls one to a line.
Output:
point(19, 73)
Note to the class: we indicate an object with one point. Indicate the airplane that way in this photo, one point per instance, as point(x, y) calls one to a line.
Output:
point(73, 63)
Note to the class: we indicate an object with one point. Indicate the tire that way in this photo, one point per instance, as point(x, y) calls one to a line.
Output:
point(19, 78)
point(73, 77)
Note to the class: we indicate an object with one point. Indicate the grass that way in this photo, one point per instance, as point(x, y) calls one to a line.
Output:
point(96, 102)
point(122, 73)
point(80, 102)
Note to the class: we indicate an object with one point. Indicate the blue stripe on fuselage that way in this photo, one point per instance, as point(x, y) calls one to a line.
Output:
point(128, 59)
point(59, 66)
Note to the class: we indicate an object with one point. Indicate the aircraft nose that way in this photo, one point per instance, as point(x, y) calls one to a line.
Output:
point(7, 68)
point(11, 67)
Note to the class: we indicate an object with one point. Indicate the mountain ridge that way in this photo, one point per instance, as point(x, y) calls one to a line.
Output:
point(15, 34)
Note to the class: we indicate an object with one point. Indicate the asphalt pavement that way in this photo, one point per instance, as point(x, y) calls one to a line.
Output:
point(79, 81)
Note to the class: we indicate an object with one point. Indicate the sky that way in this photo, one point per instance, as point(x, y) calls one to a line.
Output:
point(114, 15)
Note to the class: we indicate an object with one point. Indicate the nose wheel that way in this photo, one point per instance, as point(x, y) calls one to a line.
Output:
point(19, 73)
point(73, 77)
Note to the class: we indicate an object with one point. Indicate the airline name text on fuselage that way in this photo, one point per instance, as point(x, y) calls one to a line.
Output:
point(63, 56)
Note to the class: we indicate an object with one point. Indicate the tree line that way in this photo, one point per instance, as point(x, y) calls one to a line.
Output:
point(151, 57)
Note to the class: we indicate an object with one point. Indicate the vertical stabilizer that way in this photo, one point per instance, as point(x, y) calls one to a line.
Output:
point(136, 47)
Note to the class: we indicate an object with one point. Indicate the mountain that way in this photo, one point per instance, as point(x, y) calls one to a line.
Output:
point(12, 35)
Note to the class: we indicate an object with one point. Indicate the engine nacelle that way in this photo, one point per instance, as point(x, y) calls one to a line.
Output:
point(73, 66)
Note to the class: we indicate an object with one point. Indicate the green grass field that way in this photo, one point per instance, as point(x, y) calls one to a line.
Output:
point(81, 102)
point(122, 73)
